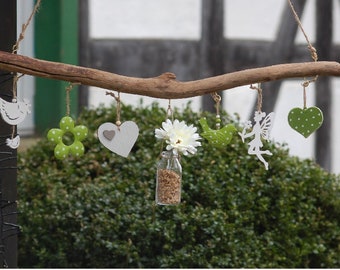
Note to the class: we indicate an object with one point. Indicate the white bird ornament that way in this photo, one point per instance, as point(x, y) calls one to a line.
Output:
point(13, 142)
point(14, 112)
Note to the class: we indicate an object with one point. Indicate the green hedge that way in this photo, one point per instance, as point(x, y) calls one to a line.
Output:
point(99, 210)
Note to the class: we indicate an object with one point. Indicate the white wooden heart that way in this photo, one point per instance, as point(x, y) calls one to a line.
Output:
point(118, 140)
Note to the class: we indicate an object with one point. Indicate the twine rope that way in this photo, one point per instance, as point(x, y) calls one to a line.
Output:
point(312, 50)
point(68, 100)
point(15, 48)
point(259, 96)
point(15, 84)
point(14, 94)
point(217, 98)
point(170, 112)
point(304, 95)
point(118, 107)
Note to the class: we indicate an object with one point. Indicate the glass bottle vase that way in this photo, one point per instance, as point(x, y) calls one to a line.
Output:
point(168, 180)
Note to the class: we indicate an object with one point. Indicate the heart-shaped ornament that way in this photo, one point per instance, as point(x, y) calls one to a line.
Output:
point(119, 140)
point(305, 121)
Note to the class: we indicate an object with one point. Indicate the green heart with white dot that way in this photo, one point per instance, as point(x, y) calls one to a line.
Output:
point(305, 121)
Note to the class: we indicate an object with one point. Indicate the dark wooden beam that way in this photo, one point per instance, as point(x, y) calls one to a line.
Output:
point(180, 56)
point(211, 44)
point(131, 57)
point(324, 37)
point(8, 163)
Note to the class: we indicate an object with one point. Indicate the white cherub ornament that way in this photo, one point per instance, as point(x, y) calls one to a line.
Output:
point(260, 130)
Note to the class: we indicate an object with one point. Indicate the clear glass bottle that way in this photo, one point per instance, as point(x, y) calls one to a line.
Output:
point(169, 179)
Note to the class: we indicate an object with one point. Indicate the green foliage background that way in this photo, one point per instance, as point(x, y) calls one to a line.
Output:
point(99, 210)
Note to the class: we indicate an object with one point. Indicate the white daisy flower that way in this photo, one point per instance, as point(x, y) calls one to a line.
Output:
point(164, 133)
point(179, 137)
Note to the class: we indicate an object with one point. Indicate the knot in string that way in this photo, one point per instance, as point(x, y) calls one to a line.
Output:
point(117, 98)
point(217, 98)
point(259, 96)
point(170, 112)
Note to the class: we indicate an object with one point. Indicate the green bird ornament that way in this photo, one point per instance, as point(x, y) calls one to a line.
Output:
point(217, 137)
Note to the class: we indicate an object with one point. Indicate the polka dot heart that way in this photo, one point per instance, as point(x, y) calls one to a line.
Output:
point(57, 136)
point(305, 121)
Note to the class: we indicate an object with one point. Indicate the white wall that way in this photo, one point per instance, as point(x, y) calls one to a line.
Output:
point(177, 19)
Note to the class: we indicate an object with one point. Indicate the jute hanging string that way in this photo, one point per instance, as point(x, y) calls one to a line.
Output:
point(21, 37)
point(15, 47)
point(16, 77)
point(305, 120)
point(25, 26)
point(311, 48)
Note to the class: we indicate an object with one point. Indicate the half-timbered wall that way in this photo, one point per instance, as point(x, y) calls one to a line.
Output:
point(147, 38)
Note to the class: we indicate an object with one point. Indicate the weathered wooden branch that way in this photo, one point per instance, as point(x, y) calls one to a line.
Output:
point(164, 86)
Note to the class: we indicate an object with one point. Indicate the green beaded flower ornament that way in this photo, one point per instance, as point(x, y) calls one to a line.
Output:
point(63, 149)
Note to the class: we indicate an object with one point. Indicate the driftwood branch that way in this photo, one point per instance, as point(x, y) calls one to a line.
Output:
point(164, 86)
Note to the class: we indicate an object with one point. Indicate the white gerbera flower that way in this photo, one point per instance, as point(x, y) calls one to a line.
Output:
point(164, 133)
point(179, 137)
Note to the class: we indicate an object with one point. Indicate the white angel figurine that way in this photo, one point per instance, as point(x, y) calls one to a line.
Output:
point(260, 129)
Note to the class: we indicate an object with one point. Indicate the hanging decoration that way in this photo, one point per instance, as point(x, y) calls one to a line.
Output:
point(260, 130)
point(169, 179)
point(217, 137)
point(306, 120)
point(180, 139)
point(68, 137)
point(120, 137)
point(13, 142)
point(14, 112)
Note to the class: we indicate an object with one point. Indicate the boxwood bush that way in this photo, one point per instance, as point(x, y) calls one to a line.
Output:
point(99, 210)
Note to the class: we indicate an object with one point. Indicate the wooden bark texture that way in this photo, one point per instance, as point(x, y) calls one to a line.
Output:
point(164, 86)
